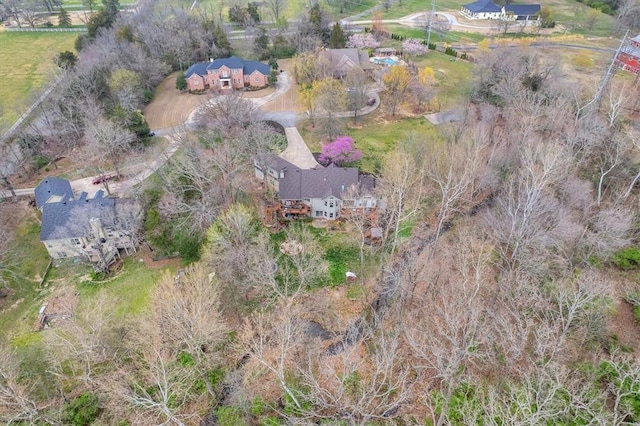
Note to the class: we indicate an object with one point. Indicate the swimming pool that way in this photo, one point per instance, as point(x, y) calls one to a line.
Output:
point(387, 60)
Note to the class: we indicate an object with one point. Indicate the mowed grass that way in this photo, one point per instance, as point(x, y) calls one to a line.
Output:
point(376, 135)
point(25, 66)
point(129, 292)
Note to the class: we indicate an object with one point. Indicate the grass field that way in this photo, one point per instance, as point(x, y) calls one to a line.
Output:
point(25, 66)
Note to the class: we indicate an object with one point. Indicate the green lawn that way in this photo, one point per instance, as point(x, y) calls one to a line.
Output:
point(18, 312)
point(376, 135)
point(449, 37)
point(26, 66)
point(129, 291)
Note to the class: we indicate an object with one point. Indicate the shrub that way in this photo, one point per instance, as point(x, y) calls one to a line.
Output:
point(341, 151)
point(627, 259)
point(81, 411)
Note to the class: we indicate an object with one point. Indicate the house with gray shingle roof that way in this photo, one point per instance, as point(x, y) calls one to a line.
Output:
point(227, 74)
point(323, 190)
point(52, 190)
point(95, 229)
point(344, 60)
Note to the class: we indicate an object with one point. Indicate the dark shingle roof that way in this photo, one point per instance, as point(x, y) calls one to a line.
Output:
point(199, 68)
point(278, 163)
point(320, 182)
point(483, 6)
point(233, 62)
point(56, 216)
point(50, 187)
point(523, 9)
point(251, 66)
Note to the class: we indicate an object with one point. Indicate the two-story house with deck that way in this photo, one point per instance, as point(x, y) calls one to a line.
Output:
point(321, 192)
point(95, 229)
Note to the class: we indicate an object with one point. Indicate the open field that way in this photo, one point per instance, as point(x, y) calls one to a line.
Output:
point(26, 66)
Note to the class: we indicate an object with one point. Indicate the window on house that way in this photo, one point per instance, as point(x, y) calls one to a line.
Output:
point(325, 214)
point(318, 213)
point(331, 215)
point(75, 241)
point(331, 203)
point(61, 254)
point(325, 204)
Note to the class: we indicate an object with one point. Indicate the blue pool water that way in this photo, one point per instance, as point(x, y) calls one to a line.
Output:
point(384, 61)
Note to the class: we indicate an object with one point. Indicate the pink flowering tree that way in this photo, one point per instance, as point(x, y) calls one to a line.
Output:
point(363, 41)
point(414, 47)
point(340, 152)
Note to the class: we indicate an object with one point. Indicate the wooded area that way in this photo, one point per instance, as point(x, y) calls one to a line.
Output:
point(507, 261)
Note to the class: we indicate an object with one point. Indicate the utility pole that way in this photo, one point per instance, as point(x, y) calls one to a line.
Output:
point(432, 16)
point(604, 83)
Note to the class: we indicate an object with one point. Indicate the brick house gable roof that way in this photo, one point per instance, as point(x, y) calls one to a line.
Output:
point(483, 6)
point(199, 68)
point(50, 187)
point(320, 182)
point(251, 66)
point(233, 62)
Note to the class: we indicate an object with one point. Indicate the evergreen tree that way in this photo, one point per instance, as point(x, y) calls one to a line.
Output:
point(337, 39)
point(252, 10)
point(111, 7)
point(261, 44)
point(64, 19)
point(65, 60)
point(222, 44)
point(181, 82)
point(273, 63)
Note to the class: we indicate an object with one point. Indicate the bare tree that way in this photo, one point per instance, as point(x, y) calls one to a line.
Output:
point(611, 155)
point(453, 169)
point(358, 86)
point(271, 341)
point(107, 139)
point(364, 383)
point(17, 405)
point(189, 314)
point(400, 188)
point(276, 7)
point(78, 346)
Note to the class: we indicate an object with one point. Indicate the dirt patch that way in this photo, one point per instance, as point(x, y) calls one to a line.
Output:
point(170, 107)
point(146, 255)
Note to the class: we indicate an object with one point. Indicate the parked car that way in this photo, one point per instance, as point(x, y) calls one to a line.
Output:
point(101, 179)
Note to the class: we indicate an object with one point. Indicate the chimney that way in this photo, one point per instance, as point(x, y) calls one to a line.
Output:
point(96, 227)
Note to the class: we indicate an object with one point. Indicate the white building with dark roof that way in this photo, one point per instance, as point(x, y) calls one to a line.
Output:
point(486, 9)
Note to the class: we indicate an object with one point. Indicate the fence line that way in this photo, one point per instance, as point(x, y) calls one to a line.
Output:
point(48, 30)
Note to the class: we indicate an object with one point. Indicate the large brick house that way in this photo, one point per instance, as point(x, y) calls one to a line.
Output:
point(226, 74)
point(629, 57)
